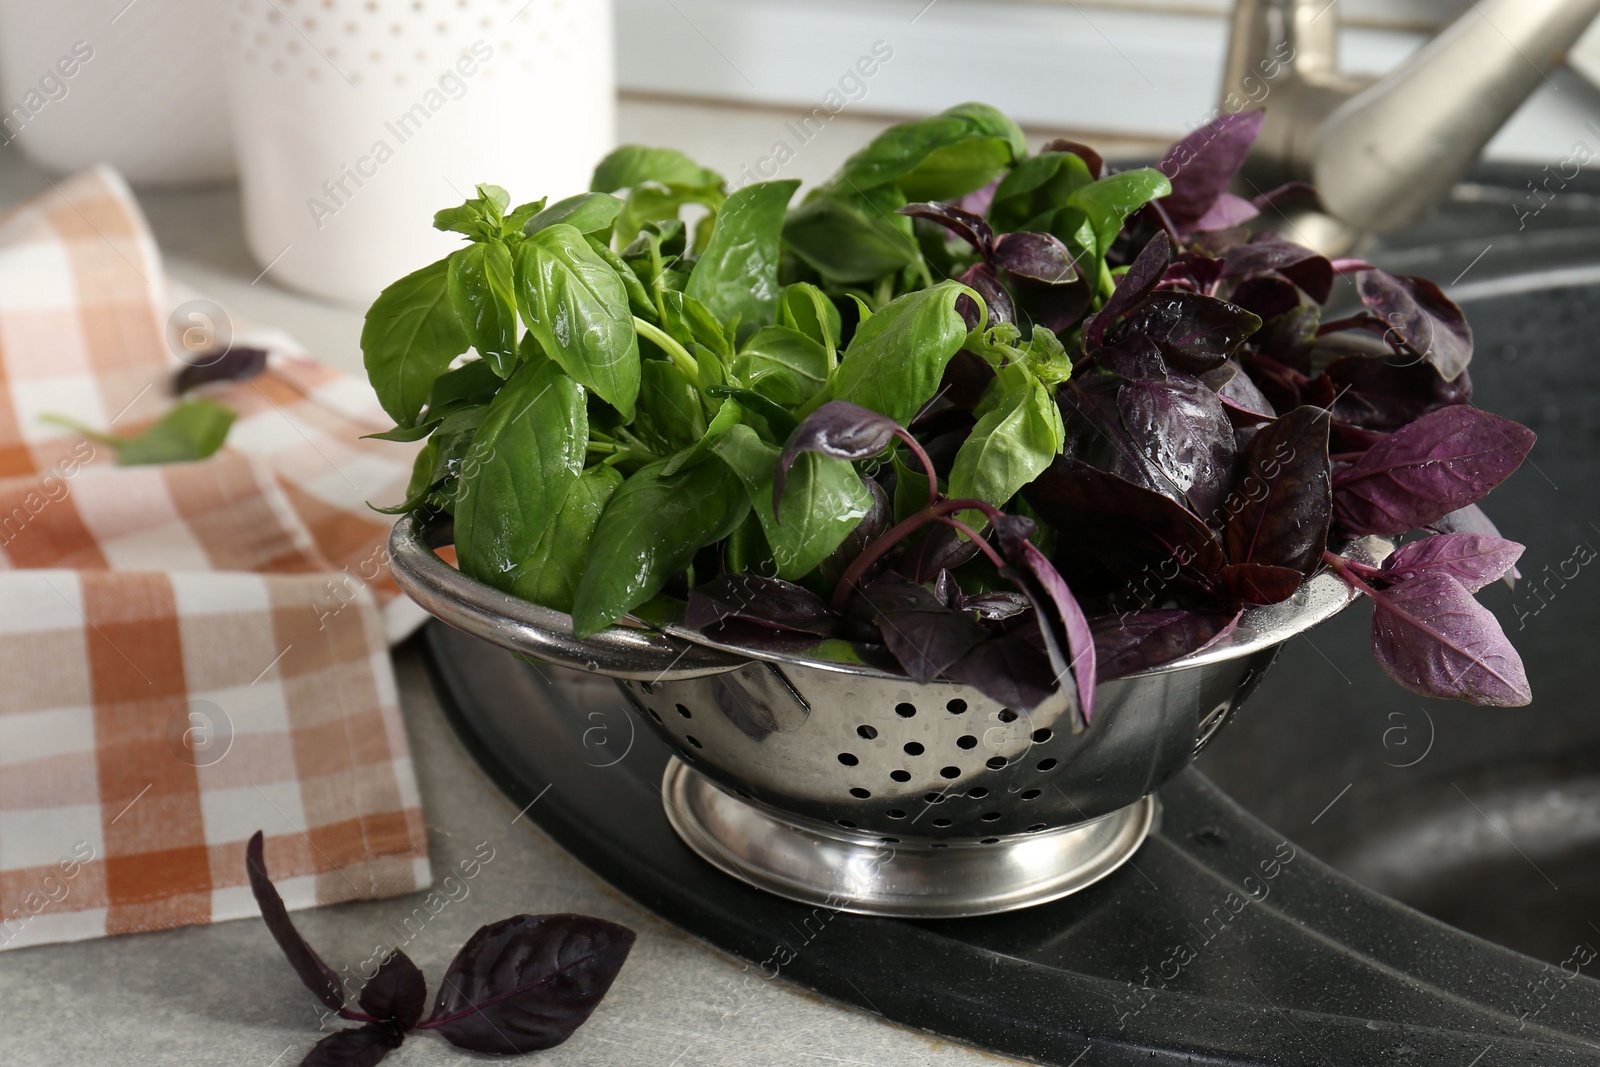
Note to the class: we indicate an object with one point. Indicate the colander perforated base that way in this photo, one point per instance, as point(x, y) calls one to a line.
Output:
point(815, 863)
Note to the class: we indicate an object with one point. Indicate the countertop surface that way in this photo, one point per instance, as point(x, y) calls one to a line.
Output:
point(223, 994)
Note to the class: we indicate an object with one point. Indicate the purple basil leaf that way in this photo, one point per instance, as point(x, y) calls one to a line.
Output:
point(362, 1046)
point(1288, 192)
point(982, 278)
point(1420, 317)
point(947, 590)
point(927, 643)
point(1006, 669)
point(1381, 394)
point(1245, 403)
point(1474, 560)
point(971, 228)
point(1434, 639)
point(1277, 514)
point(941, 548)
point(1039, 257)
point(1140, 278)
point(1090, 157)
point(229, 365)
point(397, 993)
point(997, 606)
point(1472, 519)
point(839, 429)
point(318, 977)
point(1258, 583)
point(1193, 271)
point(1135, 640)
point(1227, 212)
point(1139, 535)
point(1194, 332)
point(527, 982)
point(1131, 357)
point(1012, 533)
point(1444, 461)
point(769, 602)
point(1184, 441)
point(1202, 164)
point(1308, 269)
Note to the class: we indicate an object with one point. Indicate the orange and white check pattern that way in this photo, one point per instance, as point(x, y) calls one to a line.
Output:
point(190, 652)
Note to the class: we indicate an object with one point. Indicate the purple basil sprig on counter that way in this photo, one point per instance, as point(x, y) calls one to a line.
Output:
point(518, 985)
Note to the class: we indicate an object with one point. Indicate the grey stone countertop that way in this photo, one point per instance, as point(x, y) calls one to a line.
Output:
point(223, 994)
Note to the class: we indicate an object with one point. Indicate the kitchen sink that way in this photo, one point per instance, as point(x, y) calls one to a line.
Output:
point(1488, 819)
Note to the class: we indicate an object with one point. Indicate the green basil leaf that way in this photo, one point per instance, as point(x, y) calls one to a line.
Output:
point(633, 165)
point(650, 531)
point(587, 213)
point(1015, 439)
point(896, 358)
point(518, 217)
point(638, 296)
point(1108, 202)
point(1036, 186)
point(941, 157)
point(728, 415)
point(474, 382)
point(192, 430)
point(804, 307)
point(482, 291)
point(910, 486)
point(782, 364)
point(738, 272)
point(577, 308)
point(669, 413)
point(403, 434)
point(779, 420)
point(691, 322)
point(1046, 357)
point(850, 237)
point(525, 455)
point(660, 204)
point(410, 335)
point(550, 575)
point(824, 499)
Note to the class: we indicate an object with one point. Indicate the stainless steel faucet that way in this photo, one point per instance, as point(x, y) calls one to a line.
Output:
point(1383, 153)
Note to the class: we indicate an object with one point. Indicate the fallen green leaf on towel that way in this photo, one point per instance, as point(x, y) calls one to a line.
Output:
point(193, 430)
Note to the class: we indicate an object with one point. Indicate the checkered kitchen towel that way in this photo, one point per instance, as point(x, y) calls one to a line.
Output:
point(188, 652)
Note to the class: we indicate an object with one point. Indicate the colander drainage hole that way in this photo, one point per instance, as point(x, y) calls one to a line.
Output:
point(990, 841)
point(950, 772)
point(978, 794)
point(956, 707)
point(866, 733)
point(1031, 794)
point(861, 794)
point(900, 776)
point(941, 823)
point(847, 824)
point(1007, 715)
point(933, 798)
point(966, 741)
point(695, 741)
point(995, 763)
point(905, 711)
point(1041, 736)
point(913, 748)
point(1046, 764)
point(1035, 828)
point(654, 714)
point(889, 840)
point(895, 813)
point(938, 844)
point(989, 816)
point(684, 711)
point(847, 759)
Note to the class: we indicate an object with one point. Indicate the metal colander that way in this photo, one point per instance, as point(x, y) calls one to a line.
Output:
point(822, 739)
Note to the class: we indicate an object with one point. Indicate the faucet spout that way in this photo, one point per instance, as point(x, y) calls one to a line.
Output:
point(1383, 154)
